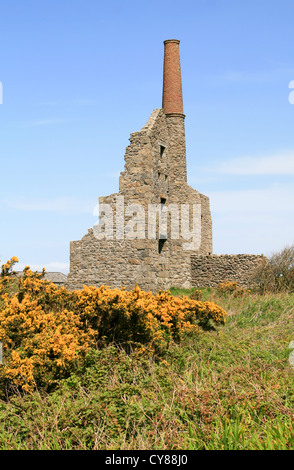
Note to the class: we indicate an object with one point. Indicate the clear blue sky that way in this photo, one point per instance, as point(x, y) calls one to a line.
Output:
point(79, 76)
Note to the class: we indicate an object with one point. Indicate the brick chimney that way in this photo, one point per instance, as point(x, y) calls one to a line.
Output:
point(172, 99)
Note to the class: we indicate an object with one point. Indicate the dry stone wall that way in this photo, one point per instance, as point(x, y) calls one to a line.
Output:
point(208, 271)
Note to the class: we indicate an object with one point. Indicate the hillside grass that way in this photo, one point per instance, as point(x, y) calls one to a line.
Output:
point(227, 389)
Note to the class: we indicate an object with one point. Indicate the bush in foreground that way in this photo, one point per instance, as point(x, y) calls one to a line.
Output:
point(47, 331)
point(229, 389)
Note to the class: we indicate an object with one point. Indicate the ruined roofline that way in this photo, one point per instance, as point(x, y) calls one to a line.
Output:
point(131, 250)
point(151, 121)
point(147, 128)
point(172, 98)
point(152, 118)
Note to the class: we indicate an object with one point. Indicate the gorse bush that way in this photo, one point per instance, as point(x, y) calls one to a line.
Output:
point(196, 295)
point(6, 269)
point(143, 317)
point(41, 340)
point(47, 331)
point(231, 288)
point(137, 385)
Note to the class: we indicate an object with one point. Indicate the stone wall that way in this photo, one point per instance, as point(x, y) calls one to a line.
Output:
point(208, 271)
point(155, 171)
point(126, 263)
point(155, 174)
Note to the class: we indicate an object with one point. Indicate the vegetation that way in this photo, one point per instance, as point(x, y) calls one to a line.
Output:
point(277, 273)
point(110, 369)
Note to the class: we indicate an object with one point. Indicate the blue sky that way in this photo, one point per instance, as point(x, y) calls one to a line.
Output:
point(79, 76)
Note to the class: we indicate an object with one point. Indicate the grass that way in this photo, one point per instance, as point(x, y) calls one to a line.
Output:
point(230, 389)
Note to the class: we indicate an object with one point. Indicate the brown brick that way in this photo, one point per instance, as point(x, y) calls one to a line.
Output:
point(172, 99)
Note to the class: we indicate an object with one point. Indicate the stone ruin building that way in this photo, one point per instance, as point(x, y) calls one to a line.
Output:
point(146, 239)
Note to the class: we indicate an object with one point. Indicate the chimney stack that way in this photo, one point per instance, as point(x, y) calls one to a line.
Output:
point(172, 99)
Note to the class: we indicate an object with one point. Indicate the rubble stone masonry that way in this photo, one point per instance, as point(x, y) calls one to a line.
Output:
point(209, 271)
point(155, 170)
point(155, 173)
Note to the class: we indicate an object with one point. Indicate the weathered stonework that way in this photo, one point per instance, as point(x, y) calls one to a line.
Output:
point(155, 173)
point(209, 271)
point(155, 169)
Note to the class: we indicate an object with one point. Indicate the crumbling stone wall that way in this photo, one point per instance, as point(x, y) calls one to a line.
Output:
point(155, 170)
point(208, 271)
point(124, 263)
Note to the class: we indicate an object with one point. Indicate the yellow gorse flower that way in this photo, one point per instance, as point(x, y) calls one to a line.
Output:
point(6, 269)
point(46, 330)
